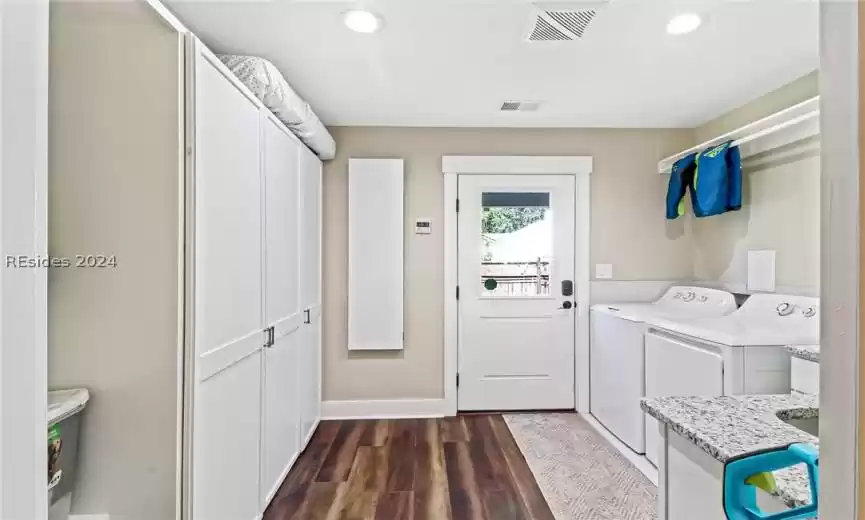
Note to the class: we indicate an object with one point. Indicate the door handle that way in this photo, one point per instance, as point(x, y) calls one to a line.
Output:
point(566, 305)
point(307, 319)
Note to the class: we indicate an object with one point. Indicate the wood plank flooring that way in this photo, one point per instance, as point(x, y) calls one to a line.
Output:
point(457, 468)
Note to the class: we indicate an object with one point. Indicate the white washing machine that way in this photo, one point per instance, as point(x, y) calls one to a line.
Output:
point(617, 354)
point(740, 353)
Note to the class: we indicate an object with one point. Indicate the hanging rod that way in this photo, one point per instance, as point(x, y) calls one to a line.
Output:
point(784, 127)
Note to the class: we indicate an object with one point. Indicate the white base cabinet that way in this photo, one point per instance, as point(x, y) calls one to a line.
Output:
point(690, 482)
point(805, 376)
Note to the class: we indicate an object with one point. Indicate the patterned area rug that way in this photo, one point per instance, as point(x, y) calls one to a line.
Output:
point(580, 474)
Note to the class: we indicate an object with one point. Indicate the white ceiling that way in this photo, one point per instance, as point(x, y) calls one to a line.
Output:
point(453, 62)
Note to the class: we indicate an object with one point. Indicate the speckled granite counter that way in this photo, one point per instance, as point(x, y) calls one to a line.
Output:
point(726, 427)
point(806, 352)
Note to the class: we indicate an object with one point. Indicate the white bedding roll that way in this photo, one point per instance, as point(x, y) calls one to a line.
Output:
point(268, 84)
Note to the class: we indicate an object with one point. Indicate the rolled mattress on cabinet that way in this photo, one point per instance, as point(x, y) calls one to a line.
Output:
point(268, 84)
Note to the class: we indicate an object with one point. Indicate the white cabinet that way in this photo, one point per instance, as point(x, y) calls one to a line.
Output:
point(280, 160)
point(805, 376)
point(281, 442)
point(257, 242)
point(227, 296)
point(281, 417)
point(690, 482)
point(227, 435)
point(310, 291)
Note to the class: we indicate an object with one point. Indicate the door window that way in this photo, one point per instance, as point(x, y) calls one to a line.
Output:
point(516, 244)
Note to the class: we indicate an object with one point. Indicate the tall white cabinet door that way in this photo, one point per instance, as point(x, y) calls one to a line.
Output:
point(310, 290)
point(227, 189)
point(281, 413)
point(310, 218)
point(282, 203)
point(282, 408)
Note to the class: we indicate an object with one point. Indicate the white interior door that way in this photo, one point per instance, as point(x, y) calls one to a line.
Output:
point(516, 292)
point(228, 299)
point(281, 406)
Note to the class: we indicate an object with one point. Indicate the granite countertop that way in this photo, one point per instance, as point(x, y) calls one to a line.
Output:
point(806, 352)
point(730, 426)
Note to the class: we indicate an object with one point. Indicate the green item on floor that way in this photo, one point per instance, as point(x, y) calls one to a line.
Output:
point(764, 481)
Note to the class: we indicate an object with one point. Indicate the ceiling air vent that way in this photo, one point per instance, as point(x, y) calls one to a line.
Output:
point(544, 31)
point(568, 22)
point(519, 106)
point(574, 21)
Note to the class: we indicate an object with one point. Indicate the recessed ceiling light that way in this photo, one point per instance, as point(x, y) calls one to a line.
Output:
point(684, 23)
point(362, 21)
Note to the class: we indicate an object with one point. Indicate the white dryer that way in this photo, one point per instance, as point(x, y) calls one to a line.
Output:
point(617, 354)
point(740, 353)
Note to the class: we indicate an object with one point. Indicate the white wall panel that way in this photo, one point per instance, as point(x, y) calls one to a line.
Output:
point(375, 252)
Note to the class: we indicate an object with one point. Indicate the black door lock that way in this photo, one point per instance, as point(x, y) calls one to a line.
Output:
point(567, 288)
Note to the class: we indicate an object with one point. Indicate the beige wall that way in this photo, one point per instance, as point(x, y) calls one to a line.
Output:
point(115, 187)
point(628, 230)
point(781, 204)
point(794, 92)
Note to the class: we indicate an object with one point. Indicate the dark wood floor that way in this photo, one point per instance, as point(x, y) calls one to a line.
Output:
point(459, 468)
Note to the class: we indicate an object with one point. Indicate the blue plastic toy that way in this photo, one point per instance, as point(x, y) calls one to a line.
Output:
point(740, 498)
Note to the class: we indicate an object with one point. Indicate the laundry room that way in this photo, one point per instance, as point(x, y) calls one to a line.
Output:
point(386, 260)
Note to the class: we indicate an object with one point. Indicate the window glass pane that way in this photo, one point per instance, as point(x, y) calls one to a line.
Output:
point(516, 244)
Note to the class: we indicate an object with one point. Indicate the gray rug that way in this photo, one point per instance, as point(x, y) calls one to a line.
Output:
point(580, 474)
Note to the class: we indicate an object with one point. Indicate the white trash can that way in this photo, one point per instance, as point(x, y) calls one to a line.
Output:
point(64, 424)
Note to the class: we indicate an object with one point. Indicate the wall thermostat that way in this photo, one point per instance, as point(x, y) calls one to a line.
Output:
point(423, 226)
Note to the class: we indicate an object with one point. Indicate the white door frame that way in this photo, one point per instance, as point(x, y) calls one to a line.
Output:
point(23, 202)
point(578, 166)
point(840, 262)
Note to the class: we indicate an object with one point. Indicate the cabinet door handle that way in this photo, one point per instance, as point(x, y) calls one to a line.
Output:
point(307, 320)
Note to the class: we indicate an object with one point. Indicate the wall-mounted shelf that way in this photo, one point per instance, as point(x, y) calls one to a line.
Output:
point(788, 126)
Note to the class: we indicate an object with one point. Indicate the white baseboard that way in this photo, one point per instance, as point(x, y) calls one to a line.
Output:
point(272, 493)
point(384, 409)
point(309, 435)
point(89, 517)
point(639, 461)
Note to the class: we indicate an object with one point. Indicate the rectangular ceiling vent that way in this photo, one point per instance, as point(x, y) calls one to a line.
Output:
point(555, 23)
point(520, 106)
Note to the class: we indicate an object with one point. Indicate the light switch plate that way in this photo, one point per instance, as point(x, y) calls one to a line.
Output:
point(603, 271)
